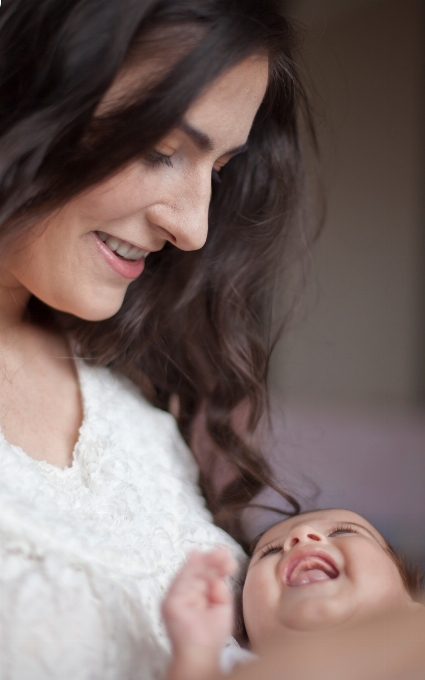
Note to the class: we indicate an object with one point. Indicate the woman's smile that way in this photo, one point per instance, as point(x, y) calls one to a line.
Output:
point(124, 258)
point(81, 259)
point(124, 249)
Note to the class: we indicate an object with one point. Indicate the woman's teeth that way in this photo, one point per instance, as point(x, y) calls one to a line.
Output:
point(122, 248)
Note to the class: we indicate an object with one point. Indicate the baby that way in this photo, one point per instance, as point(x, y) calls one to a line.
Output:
point(313, 571)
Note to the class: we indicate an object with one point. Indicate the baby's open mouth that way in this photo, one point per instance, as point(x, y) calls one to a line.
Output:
point(310, 569)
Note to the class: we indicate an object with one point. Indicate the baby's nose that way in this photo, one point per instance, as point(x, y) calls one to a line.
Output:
point(304, 534)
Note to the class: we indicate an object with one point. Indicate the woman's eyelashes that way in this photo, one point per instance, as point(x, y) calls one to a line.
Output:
point(157, 158)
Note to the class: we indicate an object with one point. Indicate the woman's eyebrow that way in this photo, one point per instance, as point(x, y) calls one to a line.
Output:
point(204, 142)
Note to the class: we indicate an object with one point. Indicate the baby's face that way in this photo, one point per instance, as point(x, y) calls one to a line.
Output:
point(318, 570)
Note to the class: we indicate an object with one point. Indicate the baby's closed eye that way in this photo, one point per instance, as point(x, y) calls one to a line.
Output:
point(272, 549)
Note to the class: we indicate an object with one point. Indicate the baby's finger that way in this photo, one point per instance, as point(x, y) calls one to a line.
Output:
point(219, 593)
point(221, 561)
point(199, 571)
point(218, 562)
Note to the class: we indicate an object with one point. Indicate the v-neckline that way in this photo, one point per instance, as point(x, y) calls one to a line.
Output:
point(44, 464)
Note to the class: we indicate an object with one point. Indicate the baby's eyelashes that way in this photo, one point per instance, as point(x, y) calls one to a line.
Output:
point(270, 550)
point(342, 529)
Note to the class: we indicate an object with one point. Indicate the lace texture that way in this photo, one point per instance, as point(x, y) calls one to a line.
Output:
point(87, 552)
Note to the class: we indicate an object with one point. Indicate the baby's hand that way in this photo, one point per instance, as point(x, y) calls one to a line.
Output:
point(198, 609)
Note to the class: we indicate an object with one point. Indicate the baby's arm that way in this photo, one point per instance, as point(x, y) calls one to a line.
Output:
point(198, 614)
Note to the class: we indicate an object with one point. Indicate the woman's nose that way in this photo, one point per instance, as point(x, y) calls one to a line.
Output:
point(183, 218)
point(303, 534)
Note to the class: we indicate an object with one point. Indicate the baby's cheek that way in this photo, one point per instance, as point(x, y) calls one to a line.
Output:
point(382, 585)
point(393, 592)
point(259, 601)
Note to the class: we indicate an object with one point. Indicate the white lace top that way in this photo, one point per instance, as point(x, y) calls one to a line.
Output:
point(88, 551)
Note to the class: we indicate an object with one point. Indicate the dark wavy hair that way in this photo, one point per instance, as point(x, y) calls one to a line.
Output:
point(196, 326)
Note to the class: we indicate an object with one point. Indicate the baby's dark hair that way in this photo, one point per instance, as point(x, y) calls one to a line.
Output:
point(411, 574)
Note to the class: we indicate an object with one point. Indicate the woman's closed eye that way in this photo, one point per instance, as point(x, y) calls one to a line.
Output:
point(157, 158)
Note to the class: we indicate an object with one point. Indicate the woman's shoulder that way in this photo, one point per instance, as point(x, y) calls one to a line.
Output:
point(113, 395)
point(114, 389)
point(121, 418)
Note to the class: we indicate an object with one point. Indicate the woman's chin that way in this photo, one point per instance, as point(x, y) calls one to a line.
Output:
point(91, 308)
point(99, 316)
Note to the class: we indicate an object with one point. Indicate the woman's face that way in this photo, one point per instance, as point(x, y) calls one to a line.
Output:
point(70, 260)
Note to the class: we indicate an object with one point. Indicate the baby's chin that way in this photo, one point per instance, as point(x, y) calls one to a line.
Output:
point(314, 614)
point(307, 619)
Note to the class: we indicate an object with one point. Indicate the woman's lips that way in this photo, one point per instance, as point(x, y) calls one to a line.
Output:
point(309, 567)
point(128, 269)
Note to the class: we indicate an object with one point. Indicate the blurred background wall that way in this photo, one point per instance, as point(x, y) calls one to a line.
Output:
point(361, 331)
point(349, 376)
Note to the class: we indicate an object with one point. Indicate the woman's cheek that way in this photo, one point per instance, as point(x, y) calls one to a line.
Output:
point(118, 197)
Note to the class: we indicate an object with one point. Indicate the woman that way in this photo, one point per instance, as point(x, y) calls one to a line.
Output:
point(115, 116)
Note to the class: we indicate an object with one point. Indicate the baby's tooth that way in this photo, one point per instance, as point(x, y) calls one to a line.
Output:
point(102, 235)
point(134, 254)
point(123, 249)
point(112, 242)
